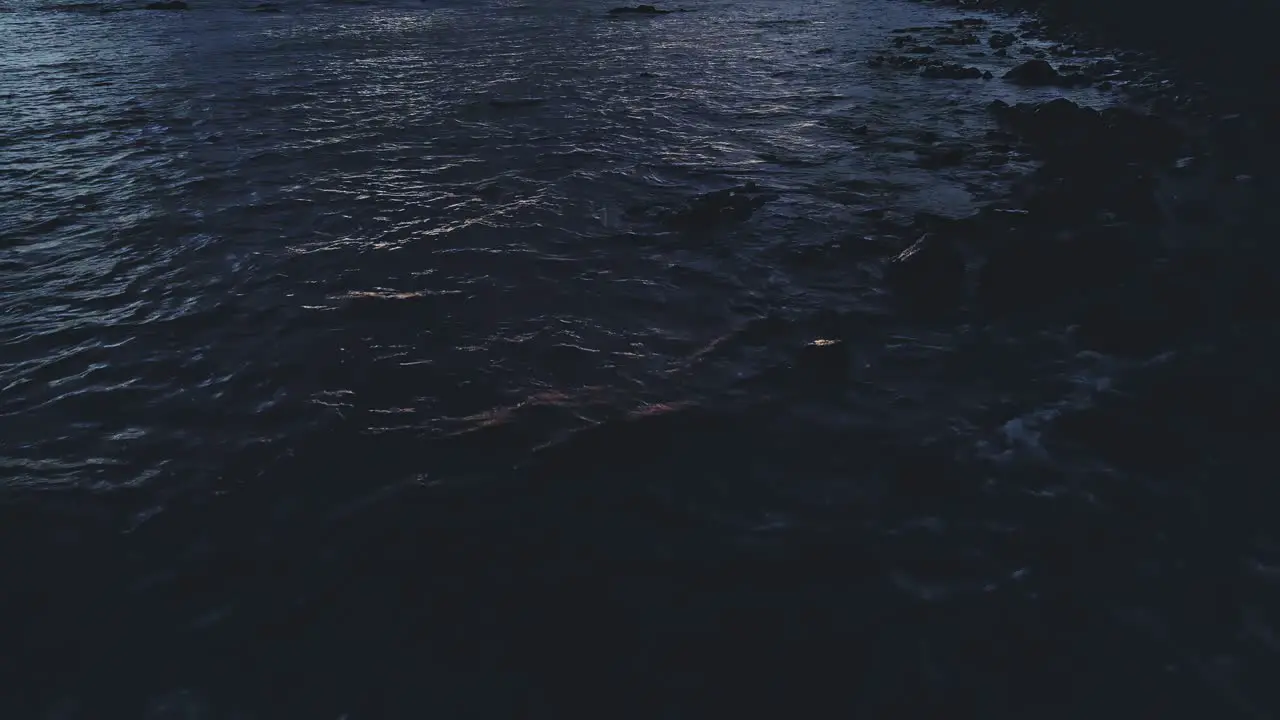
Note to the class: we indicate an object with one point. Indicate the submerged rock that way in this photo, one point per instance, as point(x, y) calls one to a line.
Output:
point(708, 210)
point(77, 7)
point(965, 39)
point(169, 5)
point(941, 156)
point(639, 10)
point(950, 71)
point(1001, 40)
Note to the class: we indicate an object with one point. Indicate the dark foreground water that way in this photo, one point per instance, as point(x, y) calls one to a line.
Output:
point(368, 361)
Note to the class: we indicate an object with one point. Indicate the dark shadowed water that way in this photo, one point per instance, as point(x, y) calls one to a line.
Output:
point(370, 360)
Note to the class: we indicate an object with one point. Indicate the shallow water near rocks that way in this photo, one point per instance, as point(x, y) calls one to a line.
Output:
point(359, 358)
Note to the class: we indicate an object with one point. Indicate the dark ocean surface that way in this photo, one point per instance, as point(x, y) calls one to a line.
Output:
point(383, 360)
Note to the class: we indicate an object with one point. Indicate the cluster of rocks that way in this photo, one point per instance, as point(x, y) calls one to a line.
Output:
point(914, 44)
point(1084, 223)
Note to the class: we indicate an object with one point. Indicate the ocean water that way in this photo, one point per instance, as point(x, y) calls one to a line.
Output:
point(367, 360)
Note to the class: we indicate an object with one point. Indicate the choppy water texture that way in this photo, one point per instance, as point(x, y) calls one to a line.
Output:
point(357, 359)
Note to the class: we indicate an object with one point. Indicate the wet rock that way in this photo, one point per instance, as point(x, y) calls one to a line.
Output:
point(900, 62)
point(950, 71)
point(1034, 73)
point(722, 206)
point(1001, 53)
point(169, 5)
point(930, 273)
point(267, 8)
point(963, 39)
point(904, 40)
point(921, 50)
point(1027, 50)
point(986, 75)
point(1105, 85)
point(639, 10)
point(1001, 40)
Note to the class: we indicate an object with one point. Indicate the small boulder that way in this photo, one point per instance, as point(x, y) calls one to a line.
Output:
point(1001, 40)
point(963, 39)
point(1034, 73)
point(950, 71)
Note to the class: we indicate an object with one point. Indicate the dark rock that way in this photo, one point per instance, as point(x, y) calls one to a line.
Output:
point(965, 39)
point(900, 62)
point(722, 206)
point(921, 50)
point(1034, 73)
point(951, 71)
point(1001, 53)
point(986, 75)
point(1001, 40)
point(860, 130)
point(639, 10)
point(1105, 85)
point(267, 8)
point(168, 5)
point(930, 273)
point(1027, 50)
